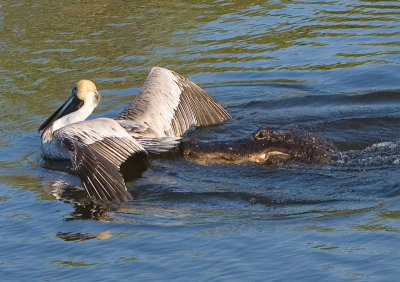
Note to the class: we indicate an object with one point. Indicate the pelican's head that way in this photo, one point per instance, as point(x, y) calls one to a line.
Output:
point(79, 105)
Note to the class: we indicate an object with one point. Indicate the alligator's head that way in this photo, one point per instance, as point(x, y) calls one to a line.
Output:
point(271, 147)
point(295, 145)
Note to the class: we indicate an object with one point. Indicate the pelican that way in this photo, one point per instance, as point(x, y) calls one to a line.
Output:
point(166, 106)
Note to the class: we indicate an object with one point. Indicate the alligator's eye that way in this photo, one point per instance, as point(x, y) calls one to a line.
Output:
point(262, 132)
point(260, 135)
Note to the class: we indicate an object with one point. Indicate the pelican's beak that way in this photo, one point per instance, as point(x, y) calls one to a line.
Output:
point(72, 104)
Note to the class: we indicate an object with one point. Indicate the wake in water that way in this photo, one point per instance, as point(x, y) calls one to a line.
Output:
point(379, 154)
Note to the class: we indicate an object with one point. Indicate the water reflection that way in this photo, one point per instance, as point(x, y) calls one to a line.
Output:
point(68, 192)
point(84, 237)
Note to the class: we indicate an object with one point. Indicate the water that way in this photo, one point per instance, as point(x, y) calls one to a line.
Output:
point(329, 67)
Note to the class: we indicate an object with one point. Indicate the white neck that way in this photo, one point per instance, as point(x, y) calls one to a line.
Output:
point(80, 115)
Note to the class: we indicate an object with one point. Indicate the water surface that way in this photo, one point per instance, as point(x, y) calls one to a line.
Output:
point(329, 67)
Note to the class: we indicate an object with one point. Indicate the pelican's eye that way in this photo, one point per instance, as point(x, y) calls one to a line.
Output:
point(97, 97)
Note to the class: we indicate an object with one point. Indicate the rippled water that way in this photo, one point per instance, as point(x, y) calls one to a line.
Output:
point(329, 67)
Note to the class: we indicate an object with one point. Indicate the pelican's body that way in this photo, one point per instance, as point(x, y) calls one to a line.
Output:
point(52, 149)
point(167, 105)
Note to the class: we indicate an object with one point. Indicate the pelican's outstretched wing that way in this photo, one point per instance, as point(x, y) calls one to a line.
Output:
point(98, 148)
point(168, 104)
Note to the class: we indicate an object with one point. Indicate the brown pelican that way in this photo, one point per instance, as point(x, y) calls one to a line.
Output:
point(166, 106)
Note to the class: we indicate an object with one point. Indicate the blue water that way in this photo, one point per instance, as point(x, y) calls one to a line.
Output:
point(328, 67)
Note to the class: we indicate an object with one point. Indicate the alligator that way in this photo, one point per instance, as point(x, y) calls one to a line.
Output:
point(267, 146)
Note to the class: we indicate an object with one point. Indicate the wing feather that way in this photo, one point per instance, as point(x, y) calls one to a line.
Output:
point(98, 148)
point(168, 104)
